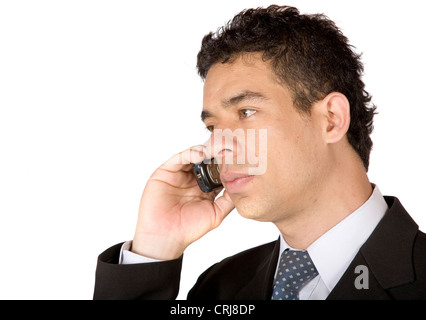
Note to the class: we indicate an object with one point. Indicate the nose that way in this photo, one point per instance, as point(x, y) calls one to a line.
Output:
point(227, 146)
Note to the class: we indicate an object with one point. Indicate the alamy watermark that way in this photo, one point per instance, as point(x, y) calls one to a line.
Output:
point(361, 281)
point(241, 147)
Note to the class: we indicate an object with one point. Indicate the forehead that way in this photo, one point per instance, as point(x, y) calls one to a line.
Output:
point(244, 73)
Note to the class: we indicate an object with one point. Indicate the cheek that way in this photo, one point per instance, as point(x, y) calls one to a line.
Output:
point(291, 155)
point(281, 150)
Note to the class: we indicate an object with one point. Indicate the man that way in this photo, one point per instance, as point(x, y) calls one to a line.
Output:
point(295, 77)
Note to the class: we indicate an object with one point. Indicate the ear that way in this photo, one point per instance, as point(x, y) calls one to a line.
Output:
point(338, 115)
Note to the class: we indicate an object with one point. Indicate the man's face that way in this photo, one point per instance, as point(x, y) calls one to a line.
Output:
point(245, 94)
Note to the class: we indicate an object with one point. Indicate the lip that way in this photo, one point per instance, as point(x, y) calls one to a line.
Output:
point(236, 182)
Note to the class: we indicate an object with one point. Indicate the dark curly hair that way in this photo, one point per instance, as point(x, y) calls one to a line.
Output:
point(308, 53)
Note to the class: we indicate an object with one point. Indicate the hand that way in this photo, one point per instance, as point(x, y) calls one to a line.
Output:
point(174, 212)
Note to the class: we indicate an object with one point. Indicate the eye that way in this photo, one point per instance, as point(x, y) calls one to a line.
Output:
point(245, 113)
point(210, 128)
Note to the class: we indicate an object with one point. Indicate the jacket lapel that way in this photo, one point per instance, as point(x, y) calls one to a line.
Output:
point(259, 287)
point(386, 255)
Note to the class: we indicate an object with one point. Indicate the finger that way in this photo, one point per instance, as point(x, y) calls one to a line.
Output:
point(185, 159)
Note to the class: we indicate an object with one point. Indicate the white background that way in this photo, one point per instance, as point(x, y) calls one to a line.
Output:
point(94, 95)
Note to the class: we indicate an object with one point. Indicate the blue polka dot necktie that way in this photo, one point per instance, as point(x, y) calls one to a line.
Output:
point(294, 271)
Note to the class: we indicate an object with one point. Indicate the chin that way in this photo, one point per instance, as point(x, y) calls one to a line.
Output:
point(259, 207)
point(250, 209)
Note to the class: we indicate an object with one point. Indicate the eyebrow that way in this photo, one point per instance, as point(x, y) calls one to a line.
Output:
point(246, 95)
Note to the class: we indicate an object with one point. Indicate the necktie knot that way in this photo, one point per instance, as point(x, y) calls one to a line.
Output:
point(294, 271)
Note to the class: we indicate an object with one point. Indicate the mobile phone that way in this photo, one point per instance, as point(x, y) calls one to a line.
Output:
point(207, 175)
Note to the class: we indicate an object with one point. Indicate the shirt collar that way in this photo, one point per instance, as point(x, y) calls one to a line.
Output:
point(334, 251)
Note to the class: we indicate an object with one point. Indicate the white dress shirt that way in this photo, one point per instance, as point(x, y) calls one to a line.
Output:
point(331, 253)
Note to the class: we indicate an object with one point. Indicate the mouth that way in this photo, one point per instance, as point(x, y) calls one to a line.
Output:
point(235, 182)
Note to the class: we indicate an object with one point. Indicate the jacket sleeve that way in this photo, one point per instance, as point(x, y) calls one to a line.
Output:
point(155, 280)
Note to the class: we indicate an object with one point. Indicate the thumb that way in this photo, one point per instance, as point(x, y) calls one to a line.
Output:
point(222, 207)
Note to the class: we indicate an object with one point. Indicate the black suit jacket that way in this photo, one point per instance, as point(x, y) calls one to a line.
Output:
point(394, 254)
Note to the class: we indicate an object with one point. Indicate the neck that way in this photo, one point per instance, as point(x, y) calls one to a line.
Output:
point(346, 189)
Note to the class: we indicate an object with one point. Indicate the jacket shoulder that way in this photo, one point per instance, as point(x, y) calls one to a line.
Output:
point(417, 288)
